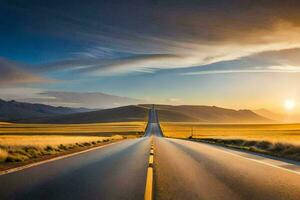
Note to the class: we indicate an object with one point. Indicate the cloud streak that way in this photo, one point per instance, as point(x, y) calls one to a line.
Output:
point(107, 66)
point(243, 71)
point(163, 35)
point(13, 74)
point(91, 100)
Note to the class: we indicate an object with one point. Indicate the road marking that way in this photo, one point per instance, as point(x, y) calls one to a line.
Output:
point(149, 180)
point(150, 160)
point(219, 148)
point(261, 162)
point(149, 184)
point(8, 171)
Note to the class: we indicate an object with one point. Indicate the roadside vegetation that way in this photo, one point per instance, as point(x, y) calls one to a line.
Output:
point(28, 142)
point(281, 140)
point(282, 150)
point(96, 129)
point(22, 148)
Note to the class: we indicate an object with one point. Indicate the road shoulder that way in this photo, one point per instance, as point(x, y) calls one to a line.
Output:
point(280, 163)
point(14, 167)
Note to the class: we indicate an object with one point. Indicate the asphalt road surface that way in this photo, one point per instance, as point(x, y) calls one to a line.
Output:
point(190, 170)
point(182, 170)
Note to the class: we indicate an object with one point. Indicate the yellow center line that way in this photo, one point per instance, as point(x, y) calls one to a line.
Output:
point(149, 184)
point(151, 160)
point(149, 181)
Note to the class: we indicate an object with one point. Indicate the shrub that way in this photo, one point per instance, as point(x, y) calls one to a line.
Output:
point(48, 148)
point(86, 144)
point(15, 158)
point(3, 155)
point(278, 149)
point(250, 143)
point(264, 145)
point(62, 147)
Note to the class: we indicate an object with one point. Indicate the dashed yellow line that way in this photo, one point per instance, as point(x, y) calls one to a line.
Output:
point(149, 184)
point(150, 160)
point(152, 152)
point(149, 181)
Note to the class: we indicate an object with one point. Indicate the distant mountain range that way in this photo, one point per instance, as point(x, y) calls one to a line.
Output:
point(12, 111)
point(120, 114)
point(286, 118)
point(15, 111)
point(268, 114)
point(207, 114)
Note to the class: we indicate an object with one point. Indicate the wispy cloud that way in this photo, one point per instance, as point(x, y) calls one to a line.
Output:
point(280, 61)
point(100, 66)
point(12, 74)
point(64, 98)
point(160, 35)
point(146, 36)
point(241, 71)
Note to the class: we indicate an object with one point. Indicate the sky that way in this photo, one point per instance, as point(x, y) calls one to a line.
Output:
point(106, 53)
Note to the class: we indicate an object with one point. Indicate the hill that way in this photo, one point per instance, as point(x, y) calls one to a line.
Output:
point(14, 111)
point(268, 114)
point(207, 114)
point(125, 113)
point(286, 118)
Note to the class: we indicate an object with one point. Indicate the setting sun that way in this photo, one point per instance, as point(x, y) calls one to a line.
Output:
point(289, 104)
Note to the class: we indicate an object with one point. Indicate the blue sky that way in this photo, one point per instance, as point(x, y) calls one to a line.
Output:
point(229, 54)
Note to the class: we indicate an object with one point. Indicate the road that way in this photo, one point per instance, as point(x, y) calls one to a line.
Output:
point(182, 170)
point(117, 171)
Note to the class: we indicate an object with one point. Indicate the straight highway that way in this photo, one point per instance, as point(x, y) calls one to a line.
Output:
point(182, 170)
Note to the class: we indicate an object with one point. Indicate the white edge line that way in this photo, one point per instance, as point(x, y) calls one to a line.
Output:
point(16, 169)
point(251, 159)
point(261, 162)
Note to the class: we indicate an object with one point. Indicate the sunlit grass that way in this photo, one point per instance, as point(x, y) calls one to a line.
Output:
point(4, 123)
point(285, 133)
point(43, 141)
point(21, 148)
point(281, 140)
point(20, 142)
point(3, 155)
point(73, 129)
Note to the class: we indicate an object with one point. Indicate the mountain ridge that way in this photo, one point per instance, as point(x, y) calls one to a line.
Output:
point(12, 111)
point(209, 114)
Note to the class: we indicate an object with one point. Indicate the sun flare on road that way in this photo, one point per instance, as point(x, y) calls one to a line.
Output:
point(289, 104)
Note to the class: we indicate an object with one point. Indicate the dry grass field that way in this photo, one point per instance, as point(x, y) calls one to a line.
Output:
point(285, 133)
point(21, 142)
point(96, 129)
point(4, 123)
point(21, 148)
point(281, 140)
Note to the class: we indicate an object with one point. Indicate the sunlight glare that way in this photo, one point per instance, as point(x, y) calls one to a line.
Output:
point(289, 104)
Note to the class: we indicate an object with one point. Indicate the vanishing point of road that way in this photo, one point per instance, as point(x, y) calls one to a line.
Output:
point(183, 169)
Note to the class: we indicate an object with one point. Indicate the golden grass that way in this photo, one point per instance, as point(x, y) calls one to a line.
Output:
point(3, 155)
point(20, 142)
point(73, 129)
point(43, 141)
point(20, 148)
point(5, 123)
point(284, 133)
